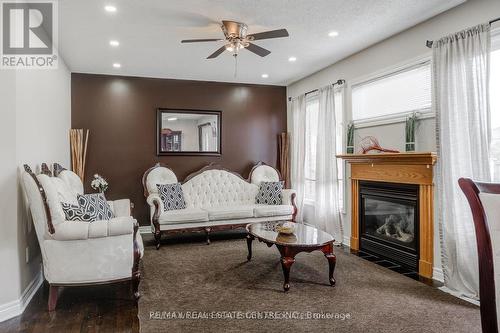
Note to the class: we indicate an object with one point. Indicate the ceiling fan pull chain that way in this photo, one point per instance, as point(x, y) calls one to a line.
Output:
point(235, 64)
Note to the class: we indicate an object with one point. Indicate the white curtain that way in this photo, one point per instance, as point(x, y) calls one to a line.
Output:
point(326, 207)
point(298, 141)
point(461, 98)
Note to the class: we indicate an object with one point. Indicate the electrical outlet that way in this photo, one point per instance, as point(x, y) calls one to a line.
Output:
point(27, 254)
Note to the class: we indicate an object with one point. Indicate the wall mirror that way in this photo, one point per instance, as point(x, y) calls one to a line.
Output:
point(188, 132)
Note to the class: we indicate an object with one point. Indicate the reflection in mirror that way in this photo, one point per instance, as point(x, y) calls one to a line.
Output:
point(189, 132)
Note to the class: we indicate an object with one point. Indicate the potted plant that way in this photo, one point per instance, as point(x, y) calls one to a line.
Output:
point(350, 138)
point(410, 132)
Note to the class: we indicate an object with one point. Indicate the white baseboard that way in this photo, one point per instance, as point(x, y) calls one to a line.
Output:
point(437, 274)
point(347, 241)
point(145, 229)
point(15, 308)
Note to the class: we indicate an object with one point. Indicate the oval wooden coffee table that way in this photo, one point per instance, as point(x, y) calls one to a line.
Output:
point(305, 238)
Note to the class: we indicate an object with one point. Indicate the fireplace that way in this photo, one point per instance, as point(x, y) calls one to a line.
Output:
point(389, 222)
point(417, 198)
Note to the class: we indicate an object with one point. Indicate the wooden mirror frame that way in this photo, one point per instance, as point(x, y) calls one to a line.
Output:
point(161, 111)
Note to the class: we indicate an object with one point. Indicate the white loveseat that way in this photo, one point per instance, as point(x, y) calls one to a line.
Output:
point(76, 253)
point(216, 199)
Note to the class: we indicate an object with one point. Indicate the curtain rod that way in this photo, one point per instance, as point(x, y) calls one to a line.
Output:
point(339, 82)
point(430, 42)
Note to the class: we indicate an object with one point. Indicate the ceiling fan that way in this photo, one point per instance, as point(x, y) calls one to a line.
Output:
point(236, 38)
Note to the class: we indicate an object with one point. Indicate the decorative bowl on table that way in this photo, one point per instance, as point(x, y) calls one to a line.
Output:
point(286, 228)
point(286, 238)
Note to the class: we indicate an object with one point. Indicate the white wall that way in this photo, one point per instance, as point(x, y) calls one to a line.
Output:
point(398, 49)
point(36, 118)
point(9, 279)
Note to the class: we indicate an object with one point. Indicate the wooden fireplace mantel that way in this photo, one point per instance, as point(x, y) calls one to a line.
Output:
point(405, 168)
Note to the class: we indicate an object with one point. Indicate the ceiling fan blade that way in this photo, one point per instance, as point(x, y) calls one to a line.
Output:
point(257, 50)
point(217, 53)
point(201, 40)
point(270, 34)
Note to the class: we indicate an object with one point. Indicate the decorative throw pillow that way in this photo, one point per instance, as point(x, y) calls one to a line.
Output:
point(270, 193)
point(96, 203)
point(172, 196)
point(78, 213)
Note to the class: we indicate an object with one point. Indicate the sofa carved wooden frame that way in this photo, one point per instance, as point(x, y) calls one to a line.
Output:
point(206, 229)
point(135, 276)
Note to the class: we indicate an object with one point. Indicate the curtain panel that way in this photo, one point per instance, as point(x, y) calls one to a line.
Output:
point(326, 212)
point(298, 140)
point(326, 204)
point(461, 64)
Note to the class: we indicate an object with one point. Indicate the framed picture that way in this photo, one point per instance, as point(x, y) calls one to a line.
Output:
point(188, 132)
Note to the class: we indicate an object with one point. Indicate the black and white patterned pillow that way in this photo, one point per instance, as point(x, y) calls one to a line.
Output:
point(172, 196)
point(95, 203)
point(270, 193)
point(77, 213)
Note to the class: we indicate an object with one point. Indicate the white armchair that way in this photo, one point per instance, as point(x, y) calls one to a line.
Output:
point(76, 253)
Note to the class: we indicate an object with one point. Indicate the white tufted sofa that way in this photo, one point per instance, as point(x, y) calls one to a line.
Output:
point(216, 199)
point(78, 253)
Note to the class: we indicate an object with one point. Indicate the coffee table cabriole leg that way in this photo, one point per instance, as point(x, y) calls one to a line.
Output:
point(287, 260)
point(286, 263)
point(250, 238)
point(332, 260)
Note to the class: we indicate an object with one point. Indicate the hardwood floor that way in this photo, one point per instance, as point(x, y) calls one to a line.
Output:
point(106, 308)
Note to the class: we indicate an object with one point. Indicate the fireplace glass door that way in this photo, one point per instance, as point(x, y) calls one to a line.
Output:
point(389, 221)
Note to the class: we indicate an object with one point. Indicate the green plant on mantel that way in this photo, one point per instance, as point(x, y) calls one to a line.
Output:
point(350, 138)
point(411, 122)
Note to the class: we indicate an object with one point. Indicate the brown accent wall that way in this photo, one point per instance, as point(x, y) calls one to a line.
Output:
point(120, 113)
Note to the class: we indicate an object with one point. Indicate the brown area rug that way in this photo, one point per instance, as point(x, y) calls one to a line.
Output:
point(222, 292)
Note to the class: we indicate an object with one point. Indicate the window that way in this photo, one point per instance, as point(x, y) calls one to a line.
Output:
point(312, 109)
point(495, 108)
point(396, 93)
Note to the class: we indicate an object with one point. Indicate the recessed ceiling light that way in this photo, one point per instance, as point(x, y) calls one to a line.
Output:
point(292, 59)
point(333, 34)
point(171, 119)
point(117, 65)
point(110, 9)
point(265, 76)
point(114, 43)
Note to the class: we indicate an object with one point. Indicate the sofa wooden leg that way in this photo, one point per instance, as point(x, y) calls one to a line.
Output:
point(249, 246)
point(136, 279)
point(53, 295)
point(136, 273)
point(158, 240)
point(207, 231)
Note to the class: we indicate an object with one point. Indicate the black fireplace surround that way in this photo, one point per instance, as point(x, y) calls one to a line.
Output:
point(389, 222)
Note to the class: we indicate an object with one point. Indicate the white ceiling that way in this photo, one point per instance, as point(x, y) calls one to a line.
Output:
point(150, 32)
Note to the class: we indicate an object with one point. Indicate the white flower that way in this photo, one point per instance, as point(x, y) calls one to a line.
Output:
point(99, 183)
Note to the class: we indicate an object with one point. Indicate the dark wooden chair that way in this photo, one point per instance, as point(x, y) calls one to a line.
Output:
point(484, 231)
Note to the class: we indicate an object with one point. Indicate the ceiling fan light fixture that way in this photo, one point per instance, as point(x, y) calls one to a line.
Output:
point(236, 38)
point(234, 46)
